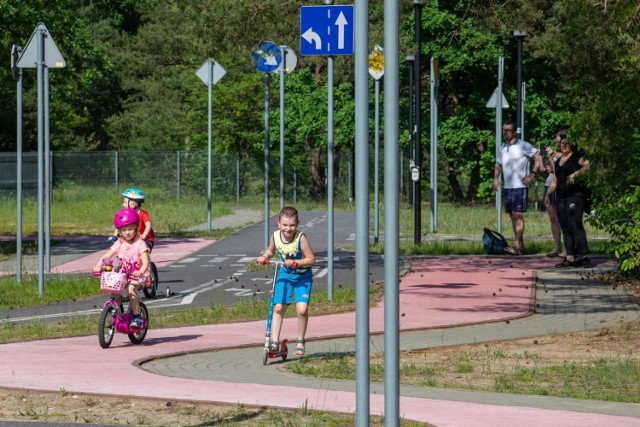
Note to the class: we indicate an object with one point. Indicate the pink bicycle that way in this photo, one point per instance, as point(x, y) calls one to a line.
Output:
point(114, 318)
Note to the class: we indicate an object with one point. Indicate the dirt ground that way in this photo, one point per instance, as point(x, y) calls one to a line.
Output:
point(64, 407)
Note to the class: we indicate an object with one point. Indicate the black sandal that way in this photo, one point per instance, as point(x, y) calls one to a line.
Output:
point(566, 263)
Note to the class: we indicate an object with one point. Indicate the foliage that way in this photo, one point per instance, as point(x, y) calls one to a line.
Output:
point(622, 221)
point(130, 81)
point(596, 49)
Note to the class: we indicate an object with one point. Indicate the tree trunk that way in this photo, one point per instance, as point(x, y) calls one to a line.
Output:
point(316, 171)
point(456, 190)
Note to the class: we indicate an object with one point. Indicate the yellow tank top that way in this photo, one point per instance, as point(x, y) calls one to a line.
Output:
point(289, 250)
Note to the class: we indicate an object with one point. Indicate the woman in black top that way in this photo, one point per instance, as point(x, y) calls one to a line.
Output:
point(570, 203)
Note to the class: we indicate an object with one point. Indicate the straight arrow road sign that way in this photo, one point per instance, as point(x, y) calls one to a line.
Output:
point(326, 30)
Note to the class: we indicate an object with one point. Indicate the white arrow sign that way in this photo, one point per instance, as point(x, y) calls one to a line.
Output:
point(310, 36)
point(341, 22)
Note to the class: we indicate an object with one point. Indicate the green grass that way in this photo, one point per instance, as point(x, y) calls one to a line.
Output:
point(69, 288)
point(610, 378)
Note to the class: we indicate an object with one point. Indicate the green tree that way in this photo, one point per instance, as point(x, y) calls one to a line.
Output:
point(596, 48)
point(80, 94)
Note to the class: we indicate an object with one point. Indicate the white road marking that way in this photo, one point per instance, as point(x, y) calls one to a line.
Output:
point(322, 273)
point(240, 292)
point(187, 260)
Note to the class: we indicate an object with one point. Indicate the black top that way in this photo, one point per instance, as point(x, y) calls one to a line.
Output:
point(572, 165)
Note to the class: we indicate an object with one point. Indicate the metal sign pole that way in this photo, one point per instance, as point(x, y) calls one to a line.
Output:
point(210, 72)
point(391, 219)
point(47, 176)
point(266, 160)
point(42, 54)
point(209, 130)
point(284, 56)
point(17, 74)
point(40, 72)
point(361, 22)
point(499, 138)
point(376, 166)
point(267, 58)
point(330, 226)
point(434, 144)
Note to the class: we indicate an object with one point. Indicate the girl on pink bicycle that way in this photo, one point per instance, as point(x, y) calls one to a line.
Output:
point(131, 251)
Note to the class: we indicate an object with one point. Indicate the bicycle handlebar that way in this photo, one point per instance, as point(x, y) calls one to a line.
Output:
point(108, 266)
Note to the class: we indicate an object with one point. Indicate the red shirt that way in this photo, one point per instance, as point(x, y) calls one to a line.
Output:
point(142, 224)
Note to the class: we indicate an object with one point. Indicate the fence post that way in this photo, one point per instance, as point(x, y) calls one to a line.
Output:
point(238, 176)
point(116, 169)
point(178, 175)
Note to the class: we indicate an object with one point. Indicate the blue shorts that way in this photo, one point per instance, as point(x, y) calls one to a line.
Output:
point(289, 284)
point(515, 199)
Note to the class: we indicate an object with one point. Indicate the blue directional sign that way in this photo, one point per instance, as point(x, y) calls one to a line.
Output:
point(266, 57)
point(326, 30)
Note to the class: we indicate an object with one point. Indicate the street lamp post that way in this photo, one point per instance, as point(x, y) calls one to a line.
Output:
point(410, 59)
point(519, 35)
point(417, 197)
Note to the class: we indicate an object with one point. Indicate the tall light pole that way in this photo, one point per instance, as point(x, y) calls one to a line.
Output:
point(417, 197)
point(519, 35)
point(410, 59)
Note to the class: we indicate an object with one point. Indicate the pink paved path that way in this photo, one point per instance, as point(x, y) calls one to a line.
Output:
point(165, 252)
point(438, 291)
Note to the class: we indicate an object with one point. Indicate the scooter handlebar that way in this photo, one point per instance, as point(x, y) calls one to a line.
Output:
point(267, 261)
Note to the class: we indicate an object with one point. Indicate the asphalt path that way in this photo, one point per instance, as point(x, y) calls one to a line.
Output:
point(224, 272)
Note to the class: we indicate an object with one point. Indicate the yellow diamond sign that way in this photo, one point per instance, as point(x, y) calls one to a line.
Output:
point(376, 62)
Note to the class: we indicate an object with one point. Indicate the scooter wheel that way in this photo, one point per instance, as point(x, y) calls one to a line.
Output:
point(285, 353)
point(265, 356)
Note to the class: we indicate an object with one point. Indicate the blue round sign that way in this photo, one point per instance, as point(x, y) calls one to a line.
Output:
point(266, 57)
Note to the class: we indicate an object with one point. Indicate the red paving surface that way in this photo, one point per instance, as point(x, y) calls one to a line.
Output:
point(437, 292)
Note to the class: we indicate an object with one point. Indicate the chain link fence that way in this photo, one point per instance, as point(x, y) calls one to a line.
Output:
point(182, 173)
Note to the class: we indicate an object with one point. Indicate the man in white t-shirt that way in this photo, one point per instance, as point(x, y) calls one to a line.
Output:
point(514, 163)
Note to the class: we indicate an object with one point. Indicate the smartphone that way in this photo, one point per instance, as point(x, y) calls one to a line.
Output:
point(543, 150)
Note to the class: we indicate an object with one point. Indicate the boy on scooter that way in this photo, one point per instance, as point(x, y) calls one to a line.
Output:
point(295, 277)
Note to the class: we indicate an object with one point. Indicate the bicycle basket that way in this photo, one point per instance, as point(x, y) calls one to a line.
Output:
point(112, 282)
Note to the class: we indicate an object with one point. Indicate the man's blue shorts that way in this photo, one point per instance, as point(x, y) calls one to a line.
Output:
point(515, 199)
point(289, 284)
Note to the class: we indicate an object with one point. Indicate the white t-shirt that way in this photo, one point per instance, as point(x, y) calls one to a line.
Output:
point(515, 162)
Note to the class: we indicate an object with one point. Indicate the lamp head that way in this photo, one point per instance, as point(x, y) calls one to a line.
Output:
point(520, 32)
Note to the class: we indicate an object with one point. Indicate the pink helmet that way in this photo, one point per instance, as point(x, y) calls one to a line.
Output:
point(124, 217)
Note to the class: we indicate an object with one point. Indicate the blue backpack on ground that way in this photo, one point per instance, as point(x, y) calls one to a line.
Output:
point(493, 242)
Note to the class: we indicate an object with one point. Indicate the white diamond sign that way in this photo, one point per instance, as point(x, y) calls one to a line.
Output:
point(210, 72)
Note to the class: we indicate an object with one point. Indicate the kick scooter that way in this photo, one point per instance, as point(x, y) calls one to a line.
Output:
point(281, 350)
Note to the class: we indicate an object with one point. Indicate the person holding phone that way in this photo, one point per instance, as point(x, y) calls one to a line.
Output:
point(569, 167)
point(548, 156)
